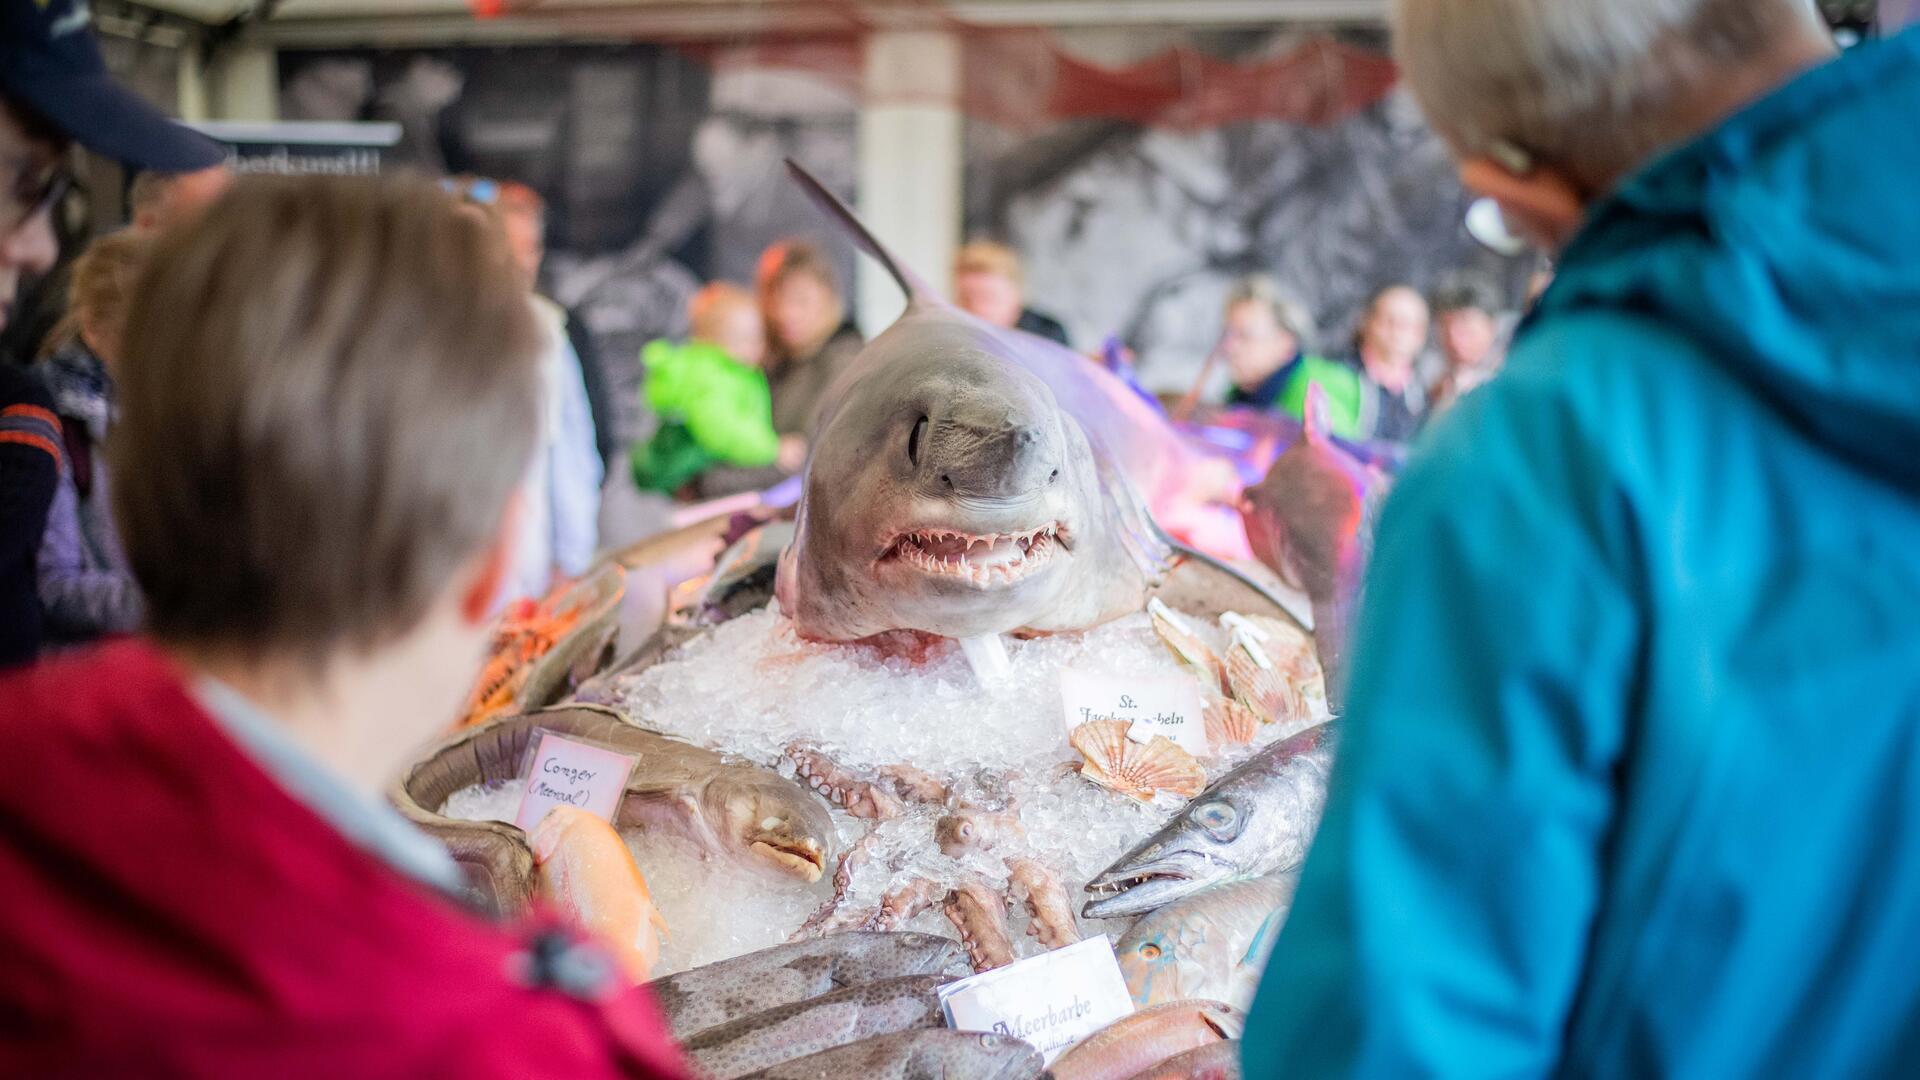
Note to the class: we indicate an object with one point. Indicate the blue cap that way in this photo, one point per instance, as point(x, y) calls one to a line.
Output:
point(50, 63)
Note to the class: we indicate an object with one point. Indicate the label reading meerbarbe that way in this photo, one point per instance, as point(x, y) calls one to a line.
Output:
point(1155, 705)
point(567, 772)
point(1052, 1000)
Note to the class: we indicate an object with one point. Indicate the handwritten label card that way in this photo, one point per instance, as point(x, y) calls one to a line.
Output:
point(1052, 1000)
point(571, 773)
point(1156, 705)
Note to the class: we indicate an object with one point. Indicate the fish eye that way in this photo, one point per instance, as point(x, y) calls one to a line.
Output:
point(1149, 951)
point(1219, 819)
point(913, 441)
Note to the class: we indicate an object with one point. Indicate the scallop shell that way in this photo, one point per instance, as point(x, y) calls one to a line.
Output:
point(1136, 770)
point(1185, 645)
point(1229, 723)
point(1287, 646)
point(1263, 688)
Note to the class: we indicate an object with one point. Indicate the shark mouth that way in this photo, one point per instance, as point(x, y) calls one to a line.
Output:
point(980, 559)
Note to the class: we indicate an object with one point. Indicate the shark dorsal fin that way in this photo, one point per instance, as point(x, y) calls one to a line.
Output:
point(910, 283)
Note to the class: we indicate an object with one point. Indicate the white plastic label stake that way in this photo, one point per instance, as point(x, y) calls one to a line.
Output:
point(1052, 1000)
point(1155, 705)
point(987, 655)
point(570, 773)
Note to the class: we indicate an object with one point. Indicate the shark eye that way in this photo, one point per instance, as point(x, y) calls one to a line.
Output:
point(913, 441)
point(1220, 819)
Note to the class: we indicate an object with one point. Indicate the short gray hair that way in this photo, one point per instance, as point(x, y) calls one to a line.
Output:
point(1292, 316)
point(1585, 85)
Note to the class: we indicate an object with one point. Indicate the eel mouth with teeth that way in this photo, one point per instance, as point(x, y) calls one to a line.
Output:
point(981, 559)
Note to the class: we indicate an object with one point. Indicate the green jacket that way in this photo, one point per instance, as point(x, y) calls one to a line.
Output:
point(1630, 781)
point(713, 410)
point(1286, 391)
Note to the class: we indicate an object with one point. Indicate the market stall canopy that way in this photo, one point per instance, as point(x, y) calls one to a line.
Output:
point(322, 21)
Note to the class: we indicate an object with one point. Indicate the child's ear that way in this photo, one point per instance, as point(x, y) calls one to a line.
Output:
point(481, 596)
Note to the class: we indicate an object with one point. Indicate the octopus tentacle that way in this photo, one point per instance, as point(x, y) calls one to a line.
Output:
point(976, 830)
point(1046, 897)
point(842, 787)
point(981, 917)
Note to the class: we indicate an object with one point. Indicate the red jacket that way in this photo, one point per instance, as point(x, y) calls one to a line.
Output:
point(167, 910)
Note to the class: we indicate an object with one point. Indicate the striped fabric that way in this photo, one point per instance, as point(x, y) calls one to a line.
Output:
point(31, 425)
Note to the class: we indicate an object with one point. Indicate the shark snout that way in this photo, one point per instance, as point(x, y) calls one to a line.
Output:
point(997, 463)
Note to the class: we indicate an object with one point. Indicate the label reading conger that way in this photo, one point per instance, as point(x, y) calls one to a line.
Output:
point(567, 772)
point(1052, 1000)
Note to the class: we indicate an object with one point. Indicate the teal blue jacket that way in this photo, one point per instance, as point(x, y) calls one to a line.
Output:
point(1630, 781)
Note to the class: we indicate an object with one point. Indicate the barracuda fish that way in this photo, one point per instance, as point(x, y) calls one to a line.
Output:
point(934, 1054)
point(763, 1040)
point(709, 996)
point(1211, 945)
point(724, 804)
point(1122, 1049)
point(969, 480)
point(1256, 820)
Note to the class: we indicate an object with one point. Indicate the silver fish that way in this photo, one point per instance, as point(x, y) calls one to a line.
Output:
point(725, 804)
point(1257, 819)
point(763, 1040)
point(1213, 944)
point(709, 996)
point(933, 1054)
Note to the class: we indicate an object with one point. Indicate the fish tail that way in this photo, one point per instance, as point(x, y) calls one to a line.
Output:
point(1241, 576)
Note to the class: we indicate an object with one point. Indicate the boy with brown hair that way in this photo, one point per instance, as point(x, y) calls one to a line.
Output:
point(331, 395)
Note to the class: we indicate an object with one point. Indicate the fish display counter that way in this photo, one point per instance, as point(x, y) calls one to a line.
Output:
point(969, 702)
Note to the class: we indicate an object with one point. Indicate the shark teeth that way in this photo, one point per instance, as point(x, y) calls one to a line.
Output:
point(984, 559)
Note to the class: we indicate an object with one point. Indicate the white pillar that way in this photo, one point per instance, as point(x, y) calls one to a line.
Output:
point(191, 102)
point(245, 83)
point(910, 147)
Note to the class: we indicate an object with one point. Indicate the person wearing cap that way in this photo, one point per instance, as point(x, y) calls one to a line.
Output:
point(1630, 765)
point(54, 90)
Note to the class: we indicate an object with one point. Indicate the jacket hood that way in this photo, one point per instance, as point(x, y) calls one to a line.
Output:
point(1787, 243)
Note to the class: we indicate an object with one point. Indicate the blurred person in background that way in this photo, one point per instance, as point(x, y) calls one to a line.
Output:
point(54, 90)
point(1467, 320)
point(1264, 340)
point(331, 391)
point(159, 199)
point(560, 518)
point(809, 338)
point(86, 587)
point(713, 403)
point(1629, 760)
point(1387, 352)
point(523, 213)
point(989, 282)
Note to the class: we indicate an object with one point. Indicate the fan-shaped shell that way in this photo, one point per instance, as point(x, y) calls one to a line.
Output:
point(1137, 770)
point(1229, 723)
point(1187, 647)
point(1285, 645)
point(1261, 686)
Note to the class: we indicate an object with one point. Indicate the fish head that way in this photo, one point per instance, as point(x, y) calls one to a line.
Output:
point(949, 493)
point(992, 1056)
point(1195, 850)
point(1150, 961)
point(775, 822)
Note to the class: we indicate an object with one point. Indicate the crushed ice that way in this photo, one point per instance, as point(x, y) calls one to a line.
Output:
point(751, 687)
